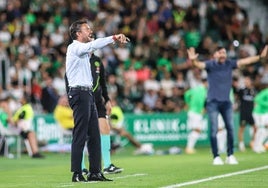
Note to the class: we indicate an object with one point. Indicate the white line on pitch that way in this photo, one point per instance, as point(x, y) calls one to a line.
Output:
point(131, 175)
point(216, 177)
point(66, 185)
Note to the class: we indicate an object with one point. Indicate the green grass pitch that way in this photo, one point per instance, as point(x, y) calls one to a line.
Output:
point(141, 171)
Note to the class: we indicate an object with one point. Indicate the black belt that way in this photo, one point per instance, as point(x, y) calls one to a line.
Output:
point(82, 88)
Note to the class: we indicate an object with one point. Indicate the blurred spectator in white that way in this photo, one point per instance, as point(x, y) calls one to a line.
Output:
point(152, 83)
point(59, 82)
point(122, 52)
point(174, 39)
point(64, 25)
point(56, 37)
point(151, 87)
point(21, 72)
point(33, 63)
point(13, 103)
point(25, 47)
point(34, 42)
point(248, 47)
point(3, 5)
point(194, 77)
point(49, 26)
point(139, 108)
point(183, 3)
point(167, 84)
point(263, 71)
point(16, 92)
point(150, 97)
point(231, 51)
point(202, 11)
point(180, 81)
point(152, 6)
point(5, 35)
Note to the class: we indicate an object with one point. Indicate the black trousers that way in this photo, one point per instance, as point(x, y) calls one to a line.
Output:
point(86, 130)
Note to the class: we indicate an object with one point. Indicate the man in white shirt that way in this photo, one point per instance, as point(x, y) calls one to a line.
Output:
point(81, 99)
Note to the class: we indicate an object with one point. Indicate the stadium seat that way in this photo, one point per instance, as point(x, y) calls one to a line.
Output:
point(8, 133)
point(12, 133)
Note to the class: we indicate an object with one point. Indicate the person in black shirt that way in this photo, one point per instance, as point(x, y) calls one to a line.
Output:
point(246, 98)
point(104, 106)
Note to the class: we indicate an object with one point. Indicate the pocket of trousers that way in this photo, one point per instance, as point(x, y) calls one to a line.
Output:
point(73, 97)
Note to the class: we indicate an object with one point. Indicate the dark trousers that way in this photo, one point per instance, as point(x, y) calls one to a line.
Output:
point(86, 130)
point(214, 108)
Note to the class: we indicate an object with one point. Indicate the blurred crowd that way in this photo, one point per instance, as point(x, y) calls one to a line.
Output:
point(150, 74)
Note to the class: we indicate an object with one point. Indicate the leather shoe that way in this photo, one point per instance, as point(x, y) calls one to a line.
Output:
point(78, 178)
point(97, 177)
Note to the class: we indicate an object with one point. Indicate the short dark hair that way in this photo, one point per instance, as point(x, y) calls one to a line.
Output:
point(75, 27)
point(216, 49)
point(219, 48)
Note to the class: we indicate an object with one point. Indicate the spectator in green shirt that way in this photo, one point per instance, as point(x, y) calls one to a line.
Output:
point(260, 115)
point(195, 100)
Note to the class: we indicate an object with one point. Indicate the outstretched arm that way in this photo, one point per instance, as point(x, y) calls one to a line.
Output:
point(121, 38)
point(89, 47)
point(253, 59)
point(193, 57)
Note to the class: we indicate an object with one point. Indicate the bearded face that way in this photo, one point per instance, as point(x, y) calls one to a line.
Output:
point(220, 55)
